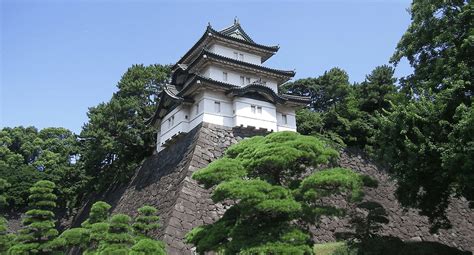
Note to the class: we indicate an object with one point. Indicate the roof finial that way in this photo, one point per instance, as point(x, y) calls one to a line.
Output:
point(236, 20)
point(209, 24)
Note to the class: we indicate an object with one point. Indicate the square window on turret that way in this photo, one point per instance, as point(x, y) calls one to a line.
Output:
point(242, 80)
point(284, 119)
point(252, 109)
point(241, 57)
point(217, 107)
point(259, 109)
point(247, 80)
point(236, 55)
point(224, 76)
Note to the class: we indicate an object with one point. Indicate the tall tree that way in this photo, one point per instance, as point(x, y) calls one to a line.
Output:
point(116, 139)
point(378, 89)
point(428, 142)
point(265, 177)
point(39, 225)
point(326, 91)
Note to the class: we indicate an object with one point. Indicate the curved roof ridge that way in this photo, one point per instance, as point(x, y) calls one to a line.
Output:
point(283, 72)
point(273, 48)
point(236, 27)
point(256, 87)
point(171, 91)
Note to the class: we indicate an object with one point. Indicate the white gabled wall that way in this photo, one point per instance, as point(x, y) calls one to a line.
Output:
point(217, 109)
point(233, 77)
point(255, 113)
point(230, 53)
point(173, 123)
point(289, 112)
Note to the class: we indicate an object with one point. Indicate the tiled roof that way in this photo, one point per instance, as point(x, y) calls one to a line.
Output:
point(224, 34)
point(209, 54)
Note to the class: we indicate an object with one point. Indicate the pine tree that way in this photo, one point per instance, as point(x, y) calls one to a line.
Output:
point(39, 224)
point(146, 222)
point(99, 213)
point(148, 247)
point(92, 232)
point(118, 238)
point(265, 177)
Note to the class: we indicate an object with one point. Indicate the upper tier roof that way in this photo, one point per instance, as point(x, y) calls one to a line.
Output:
point(236, 31)
point(234, 34)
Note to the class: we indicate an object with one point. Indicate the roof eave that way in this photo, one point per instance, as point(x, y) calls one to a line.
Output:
point(209, 32)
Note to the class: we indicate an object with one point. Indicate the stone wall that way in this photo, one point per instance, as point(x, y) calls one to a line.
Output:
point(404, 224)
point(164, 181)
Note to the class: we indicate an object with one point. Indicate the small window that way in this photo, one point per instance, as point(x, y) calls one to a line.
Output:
point(242, 80)
point(236, 55)
point(247, 80)
point(171, 121)
point(217, 107)
point(224, 76)
point(259, 109)
point(197, 108)
point(284, 119)
point(252, 109)
point(241, 57)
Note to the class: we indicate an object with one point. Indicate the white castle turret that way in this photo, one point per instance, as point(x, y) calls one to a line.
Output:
point(221, 80)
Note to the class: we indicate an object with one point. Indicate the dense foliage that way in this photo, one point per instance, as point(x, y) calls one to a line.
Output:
point(429, 141)
point(273, 194)
point(28, 155)
point(116, 138)
point(423, 130)
point(342, 112)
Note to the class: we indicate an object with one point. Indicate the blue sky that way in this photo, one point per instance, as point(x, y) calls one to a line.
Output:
point(60, 57)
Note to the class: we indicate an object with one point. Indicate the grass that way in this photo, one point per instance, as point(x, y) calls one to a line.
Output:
point(328, 248)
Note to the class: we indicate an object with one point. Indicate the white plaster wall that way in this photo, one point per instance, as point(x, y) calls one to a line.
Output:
point(180, 123)
point(233, 112)
point(245, 117)
point(233, 77)
point(290, 117)
point(224, 117)
point(229, 52)
point(196, 113)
